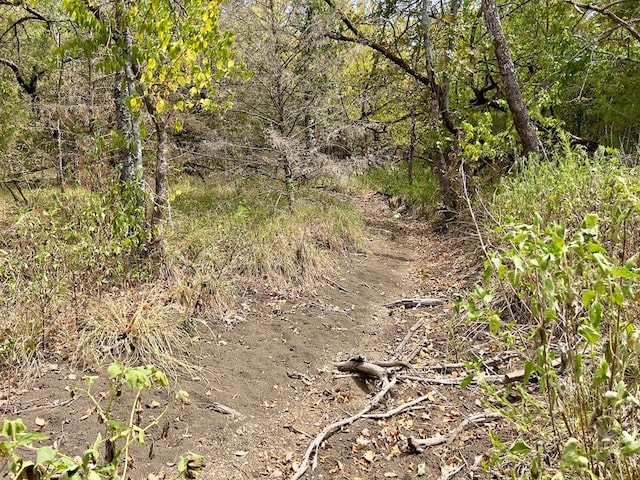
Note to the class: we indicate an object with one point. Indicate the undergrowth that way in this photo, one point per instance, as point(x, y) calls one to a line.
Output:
point(77, 283)
point(562, 285)
point(393, 179)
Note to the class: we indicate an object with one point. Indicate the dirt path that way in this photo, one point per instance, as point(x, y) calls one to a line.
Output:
point(271, 362)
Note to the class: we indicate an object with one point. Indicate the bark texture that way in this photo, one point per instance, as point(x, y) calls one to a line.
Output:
point(522, 121)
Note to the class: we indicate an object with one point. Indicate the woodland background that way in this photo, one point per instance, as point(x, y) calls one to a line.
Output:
point(160, 156)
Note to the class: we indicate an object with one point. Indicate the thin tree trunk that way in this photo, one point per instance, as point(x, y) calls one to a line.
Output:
point(438, 92)
point(161, 197)
point(522, 121)
point(412, 148)
point(442, 167)
point(128, 124)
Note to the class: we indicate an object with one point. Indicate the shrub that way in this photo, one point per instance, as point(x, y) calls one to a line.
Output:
point(576, 284)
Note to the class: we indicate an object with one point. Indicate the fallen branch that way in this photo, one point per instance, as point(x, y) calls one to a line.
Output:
point(410, 334)
point(363, 367)
point(416, 302)
point(329, 430)
point(418, 445)
point(492, 362)
point(453, 380)
point(506, 378)
point(399, 409)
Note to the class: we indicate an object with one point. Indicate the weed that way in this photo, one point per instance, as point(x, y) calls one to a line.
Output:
point(576, 285)
point(108, 456)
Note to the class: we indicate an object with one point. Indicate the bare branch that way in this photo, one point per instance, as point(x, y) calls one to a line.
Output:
point(605, 11)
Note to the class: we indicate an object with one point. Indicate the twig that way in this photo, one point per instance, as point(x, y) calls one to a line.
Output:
point(418, 445)
point(338, 286)
point(399, 409)
point(492, 362)
point(55, 404)
point(329, 430)
point(293, 429)
point(410, 334)
point(220, 408)
point(506, 378)
point(453, 380)
point(416, 302)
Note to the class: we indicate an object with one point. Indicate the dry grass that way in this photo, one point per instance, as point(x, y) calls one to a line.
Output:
point(70, 291)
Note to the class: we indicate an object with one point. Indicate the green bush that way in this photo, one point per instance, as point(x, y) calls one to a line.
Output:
point(567, 262)
point(393, 180)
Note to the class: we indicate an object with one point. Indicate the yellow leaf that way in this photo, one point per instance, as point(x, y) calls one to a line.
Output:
point(369, 455)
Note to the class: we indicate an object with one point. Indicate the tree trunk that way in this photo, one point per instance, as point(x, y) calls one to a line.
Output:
point(439, 93)
point(412, 148)
point(161, 197)
point(522, 121)
point(445, 165)
point(127, 123)
point(130, 151)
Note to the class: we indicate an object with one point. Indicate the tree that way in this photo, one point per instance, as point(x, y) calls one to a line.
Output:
point(169, 57)
point(285, 100)
point(521, 119)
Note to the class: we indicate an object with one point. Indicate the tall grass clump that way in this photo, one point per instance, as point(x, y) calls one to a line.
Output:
point(250, 238)
point(562, 286)
point(77, 281)
point(393, 179)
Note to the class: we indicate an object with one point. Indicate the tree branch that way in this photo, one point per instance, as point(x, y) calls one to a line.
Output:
point(605, 11)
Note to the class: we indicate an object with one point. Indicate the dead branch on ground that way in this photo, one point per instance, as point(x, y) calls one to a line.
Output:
point(416, 302)
point(362, 367)
point(418, 445)
point(312, 450)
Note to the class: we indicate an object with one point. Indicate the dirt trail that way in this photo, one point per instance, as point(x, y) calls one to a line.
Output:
point(271, 362)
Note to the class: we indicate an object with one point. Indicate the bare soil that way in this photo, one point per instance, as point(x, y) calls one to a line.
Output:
point(272, 363)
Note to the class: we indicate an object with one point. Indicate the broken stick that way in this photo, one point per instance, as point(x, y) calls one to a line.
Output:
point(418, 445)
point(416, 302)
point(312, 450)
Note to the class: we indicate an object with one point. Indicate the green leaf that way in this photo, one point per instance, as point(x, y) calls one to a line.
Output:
point(30, 437)
point(114, 370)
point(588, 296)
point(588, 332)
point(520, 448)
point(571, 455)
point(45, 455)
point(93, 475)
point(630, 446)
point(467, 380)
point(624, 272)
point(590, 221)
point(529, 368)
point(12, 428)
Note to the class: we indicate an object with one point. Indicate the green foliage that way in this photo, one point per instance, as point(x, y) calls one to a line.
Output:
point(18, 445)
point(99, 237)
point(393, 180)
point(575, 286)
point(482, 145)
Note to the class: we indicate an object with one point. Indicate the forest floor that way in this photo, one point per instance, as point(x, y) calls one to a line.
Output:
point(272, 364)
